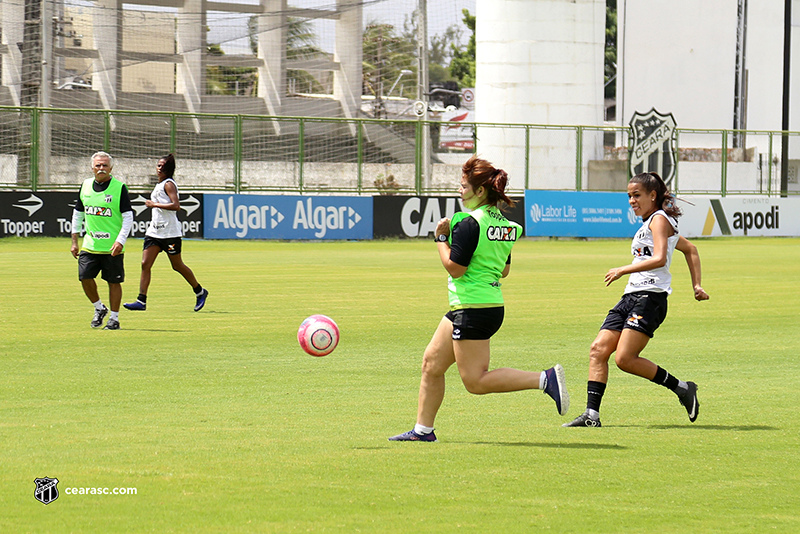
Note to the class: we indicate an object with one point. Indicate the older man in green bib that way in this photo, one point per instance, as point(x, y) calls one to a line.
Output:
point(105, 206)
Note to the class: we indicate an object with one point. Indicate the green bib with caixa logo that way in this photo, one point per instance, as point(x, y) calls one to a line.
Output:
point(479, 287)
point(103, 218)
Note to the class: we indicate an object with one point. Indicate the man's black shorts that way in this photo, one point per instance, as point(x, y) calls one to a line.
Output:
point(170, 245)
point(112, 267)
point(643, 311)
point(476, 323)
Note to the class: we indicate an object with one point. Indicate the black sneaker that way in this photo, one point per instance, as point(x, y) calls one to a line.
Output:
point(112, 325)
point(689, 401)
point(99, 315)
point(584, 420)
point(201, 300)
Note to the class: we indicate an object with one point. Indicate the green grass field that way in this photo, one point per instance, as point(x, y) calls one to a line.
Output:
point(222, 423)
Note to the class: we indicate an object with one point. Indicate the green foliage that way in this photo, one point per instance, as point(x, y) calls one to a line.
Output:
point(229, 80)
point(440, 49)
point(223, 424)
point(462, 66)
point(610, 64)
point(301, 43)
point(385, 54)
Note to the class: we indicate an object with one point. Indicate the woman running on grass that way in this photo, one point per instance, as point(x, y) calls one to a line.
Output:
point(643, 307)
point(165, 233)
point(475, 250)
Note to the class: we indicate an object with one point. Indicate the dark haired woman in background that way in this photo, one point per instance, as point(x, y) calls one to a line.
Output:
point(643, 307)
point(165, 233)
point(475, 250)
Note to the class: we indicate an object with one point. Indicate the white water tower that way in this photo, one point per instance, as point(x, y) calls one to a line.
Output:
point(540, 62)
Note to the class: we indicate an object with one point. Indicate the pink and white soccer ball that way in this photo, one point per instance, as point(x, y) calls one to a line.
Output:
point(318, 335)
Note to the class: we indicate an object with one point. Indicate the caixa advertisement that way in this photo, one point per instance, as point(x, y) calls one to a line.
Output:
point(49, 214)
point(404, 216)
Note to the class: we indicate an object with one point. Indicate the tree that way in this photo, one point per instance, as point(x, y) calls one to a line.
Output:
point(301, 43)
point(440, 50)
point(385, 55)
point(228, 80)
point(462, 66)
point(610, 66)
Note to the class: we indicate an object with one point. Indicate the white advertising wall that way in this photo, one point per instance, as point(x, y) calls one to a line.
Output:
point(740, 216)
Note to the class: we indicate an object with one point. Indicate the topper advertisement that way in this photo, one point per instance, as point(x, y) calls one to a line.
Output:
point(36, 214)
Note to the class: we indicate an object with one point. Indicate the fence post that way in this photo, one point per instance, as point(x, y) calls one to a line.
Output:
point(527, 155)
point(301, 149)
point(34, 150)
point(724, 185)
point(578, 157)
point(106, 131)
point(677, 159)
point(418, 158)
point(359, 154)
point(769, 166)
point(173, 132)
point(237, 154)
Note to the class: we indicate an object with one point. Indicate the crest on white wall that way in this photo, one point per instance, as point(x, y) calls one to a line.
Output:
point(653, 149)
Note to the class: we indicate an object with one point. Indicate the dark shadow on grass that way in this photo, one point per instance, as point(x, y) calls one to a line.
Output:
point(606, 446)
point(689, 426)
point(153, 330)
point(727, 428)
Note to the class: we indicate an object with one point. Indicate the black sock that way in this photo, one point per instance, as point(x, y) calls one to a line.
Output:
point(142, 298)
point(595, 392)
point(663, 378)
point(198, 289)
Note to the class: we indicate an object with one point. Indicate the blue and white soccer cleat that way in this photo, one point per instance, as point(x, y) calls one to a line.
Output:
point(556, 387)
point(413, 436)
point(201, 300)
point(135, 306)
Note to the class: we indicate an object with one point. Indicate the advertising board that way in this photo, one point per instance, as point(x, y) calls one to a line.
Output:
point(287, 217)
point(405, 216)
point(579, 214)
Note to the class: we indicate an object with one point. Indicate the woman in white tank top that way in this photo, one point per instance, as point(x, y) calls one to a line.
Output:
point(165, 233)
point(633, 321)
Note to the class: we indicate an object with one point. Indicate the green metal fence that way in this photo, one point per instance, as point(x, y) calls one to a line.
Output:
point(49, 149)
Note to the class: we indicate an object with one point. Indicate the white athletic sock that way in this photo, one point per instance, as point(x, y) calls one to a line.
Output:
point(114, 316)
point(422, 430)
point(543, 380)
point(98, 305)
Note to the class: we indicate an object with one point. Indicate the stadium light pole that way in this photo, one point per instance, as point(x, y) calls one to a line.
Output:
point(787, 48)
